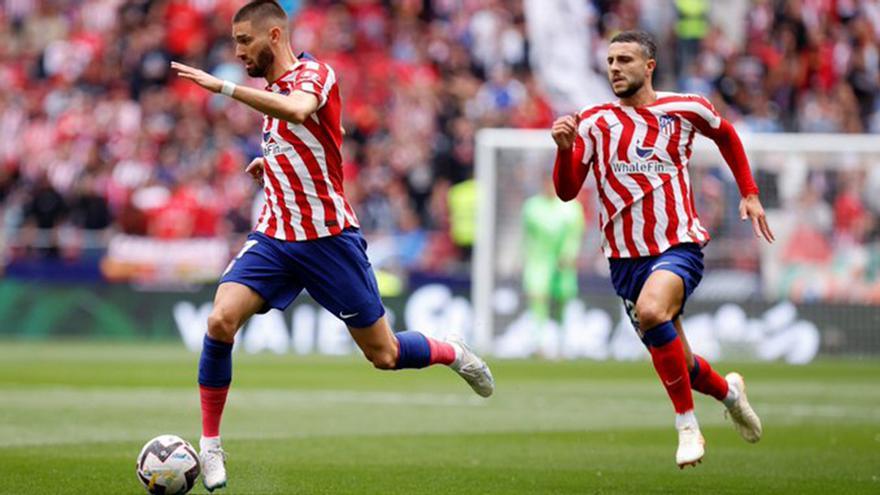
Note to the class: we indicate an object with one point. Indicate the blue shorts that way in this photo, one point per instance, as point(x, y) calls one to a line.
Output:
point(334, 270)
point(630, 274)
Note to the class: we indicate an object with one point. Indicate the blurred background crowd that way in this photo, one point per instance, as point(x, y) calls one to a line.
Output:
point(99, 138)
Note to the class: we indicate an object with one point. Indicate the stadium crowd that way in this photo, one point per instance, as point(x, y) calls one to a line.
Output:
point(99, 137)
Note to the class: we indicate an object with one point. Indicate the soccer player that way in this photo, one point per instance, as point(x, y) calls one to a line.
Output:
point(553, 232)
point(307, 236)
point(638, 149)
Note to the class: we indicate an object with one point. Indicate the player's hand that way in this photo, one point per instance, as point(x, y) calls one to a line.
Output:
point(255, 170)
point(564, 131)
point(198, 76)
point(750, 207)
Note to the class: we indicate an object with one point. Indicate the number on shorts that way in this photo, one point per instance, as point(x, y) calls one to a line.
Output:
point(633, 316)
point(247, 245)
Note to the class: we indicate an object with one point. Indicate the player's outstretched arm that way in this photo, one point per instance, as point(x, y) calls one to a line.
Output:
point(734, 154)
point(294, 108)
point(568, 172)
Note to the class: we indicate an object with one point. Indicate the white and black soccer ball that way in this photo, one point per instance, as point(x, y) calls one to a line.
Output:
point(168, 465)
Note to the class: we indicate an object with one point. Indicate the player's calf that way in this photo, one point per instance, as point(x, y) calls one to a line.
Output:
point(668, 357)
point(707, 381)
point(415, 350)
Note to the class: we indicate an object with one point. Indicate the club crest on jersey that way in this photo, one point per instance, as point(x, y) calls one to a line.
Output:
point(667, 124)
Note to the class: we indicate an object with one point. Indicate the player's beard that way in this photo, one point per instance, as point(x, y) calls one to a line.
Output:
point(630, 90)
point(261, 65)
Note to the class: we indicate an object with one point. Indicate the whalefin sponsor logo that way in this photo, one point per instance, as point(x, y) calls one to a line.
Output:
point(642, 167)
point(644, 153)
point(270, 145)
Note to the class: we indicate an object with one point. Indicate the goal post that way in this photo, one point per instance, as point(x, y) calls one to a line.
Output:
point(510, 164)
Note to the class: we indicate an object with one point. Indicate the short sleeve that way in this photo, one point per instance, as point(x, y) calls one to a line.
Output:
point(313, 78)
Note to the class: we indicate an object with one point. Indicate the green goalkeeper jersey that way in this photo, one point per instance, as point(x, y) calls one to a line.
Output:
point(553, 234)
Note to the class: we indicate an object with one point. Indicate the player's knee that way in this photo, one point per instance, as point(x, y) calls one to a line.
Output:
point(651, 313)
point(222, 325)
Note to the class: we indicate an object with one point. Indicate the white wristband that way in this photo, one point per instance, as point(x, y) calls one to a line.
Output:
point(227, 88)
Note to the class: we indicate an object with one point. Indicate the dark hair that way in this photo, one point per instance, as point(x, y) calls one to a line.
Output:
point(645, 40)
point(260, 10)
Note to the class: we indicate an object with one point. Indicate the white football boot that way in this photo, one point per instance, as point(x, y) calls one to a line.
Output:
point(691, 446)
point(744, 418)
point(469, 366)
point(213, 463)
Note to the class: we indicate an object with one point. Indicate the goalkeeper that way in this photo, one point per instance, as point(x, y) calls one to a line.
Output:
point(553, 234)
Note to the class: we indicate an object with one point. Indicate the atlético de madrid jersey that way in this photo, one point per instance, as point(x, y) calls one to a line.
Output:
point(639, 157)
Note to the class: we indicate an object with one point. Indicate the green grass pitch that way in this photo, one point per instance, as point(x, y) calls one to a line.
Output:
point(73, 417)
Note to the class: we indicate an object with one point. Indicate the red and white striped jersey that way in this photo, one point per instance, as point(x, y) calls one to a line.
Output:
point(302, 164)
point(639, 157)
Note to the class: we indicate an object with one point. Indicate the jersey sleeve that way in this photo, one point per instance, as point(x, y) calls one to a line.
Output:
point(314, 78)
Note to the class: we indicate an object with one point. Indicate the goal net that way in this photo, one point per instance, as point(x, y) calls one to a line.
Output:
point(816, 289)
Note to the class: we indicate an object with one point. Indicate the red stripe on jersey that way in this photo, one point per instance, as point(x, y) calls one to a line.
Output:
point(696, 120)
point(593, 110)
point(298, 195)
point(686, 201)
point(262, 214)
point(620, 189)
point(282, 205)
point(687, 147)
point(645, 184)
point(671, 214)
point(314, 168)
point(703, 234)
point(653, 127)
point(686, 197)
point(668, 193)
point(608, 228)
point(648, 213)
point(272, 223)
point(333, 155)
point(331, 140)
point(672, 147)
point(626, 135)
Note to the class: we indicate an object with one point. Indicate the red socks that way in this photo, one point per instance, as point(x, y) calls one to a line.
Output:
point(667, 353)
point(441, 352)
point(705, 380)
point(213, 400)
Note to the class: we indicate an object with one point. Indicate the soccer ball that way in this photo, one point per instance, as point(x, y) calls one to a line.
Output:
point(168, 465)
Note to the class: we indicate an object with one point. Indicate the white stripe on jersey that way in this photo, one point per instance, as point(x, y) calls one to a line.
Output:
point(315, 145)
point(331, 80)
point(289, 201)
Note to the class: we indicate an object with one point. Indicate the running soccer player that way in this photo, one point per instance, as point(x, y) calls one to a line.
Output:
point(553, 232)
point(307, 236)
point(638, 148)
